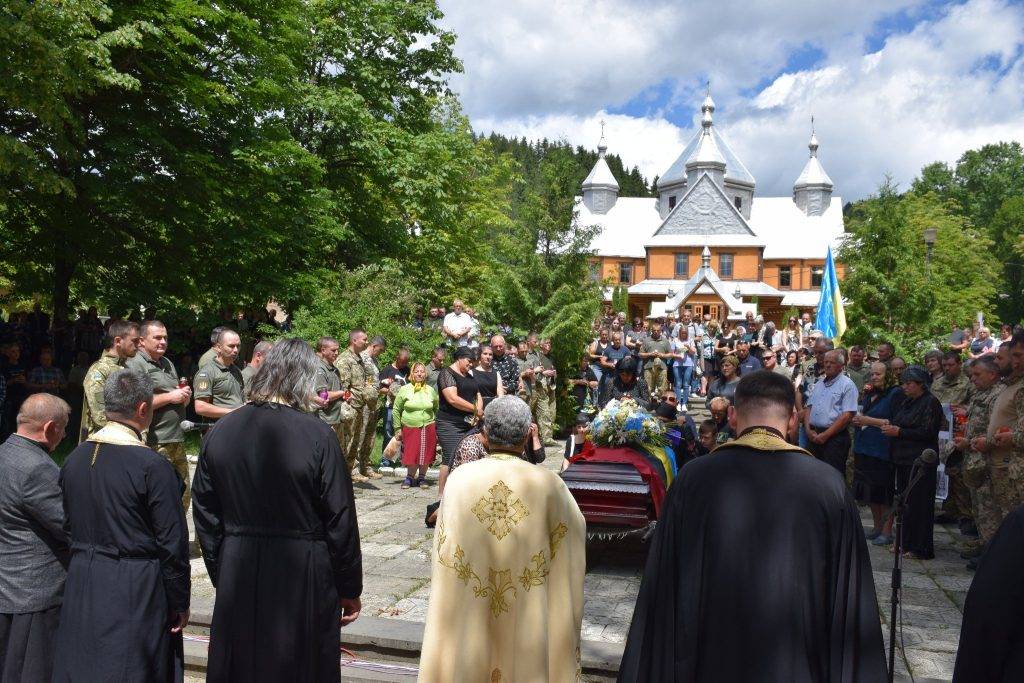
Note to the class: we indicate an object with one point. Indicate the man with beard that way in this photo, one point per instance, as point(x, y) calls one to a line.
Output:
point(803, 610)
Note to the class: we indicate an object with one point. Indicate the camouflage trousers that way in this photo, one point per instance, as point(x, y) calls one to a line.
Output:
point(1007, 484)
point(361, 436)
point(986, 513)
point(959, 503)
point(174, 453)
point(656, 376)
point(340, 430)
point(542, 407)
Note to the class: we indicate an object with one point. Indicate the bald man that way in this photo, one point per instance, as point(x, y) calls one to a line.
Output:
point(33, 543)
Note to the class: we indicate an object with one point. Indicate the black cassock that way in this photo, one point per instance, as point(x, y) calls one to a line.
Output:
point(992, 634)
point(129, 565)
point(758, 571)
point(274, 512)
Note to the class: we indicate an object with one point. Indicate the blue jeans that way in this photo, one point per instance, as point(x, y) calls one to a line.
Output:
point(682, 379)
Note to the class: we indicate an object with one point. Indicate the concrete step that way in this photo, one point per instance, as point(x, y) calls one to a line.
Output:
point(386, 649)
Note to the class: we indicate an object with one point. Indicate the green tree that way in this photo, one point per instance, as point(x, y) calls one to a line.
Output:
point(981, 182)
point(196, 153)
point(378, 298)
point(895, 293)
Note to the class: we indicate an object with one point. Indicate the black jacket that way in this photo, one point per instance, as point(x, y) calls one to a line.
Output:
point(919, 420)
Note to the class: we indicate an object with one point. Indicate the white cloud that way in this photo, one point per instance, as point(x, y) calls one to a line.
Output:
point(954, 82)
point(534, 57)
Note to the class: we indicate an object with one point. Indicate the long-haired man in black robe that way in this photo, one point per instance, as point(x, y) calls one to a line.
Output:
point(126, 598)
point(274, 513)
point(758, 570)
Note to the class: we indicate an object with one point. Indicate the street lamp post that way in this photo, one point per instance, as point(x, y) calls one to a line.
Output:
point(930, 235)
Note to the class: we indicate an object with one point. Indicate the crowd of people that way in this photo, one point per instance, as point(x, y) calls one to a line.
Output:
point(291, 427)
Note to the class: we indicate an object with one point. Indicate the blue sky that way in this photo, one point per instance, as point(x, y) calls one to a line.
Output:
point(893, 84)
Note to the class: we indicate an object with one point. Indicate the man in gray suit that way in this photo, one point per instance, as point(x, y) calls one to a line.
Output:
point(33, 543)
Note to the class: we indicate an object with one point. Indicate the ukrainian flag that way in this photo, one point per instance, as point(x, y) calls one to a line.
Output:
point(831, 319)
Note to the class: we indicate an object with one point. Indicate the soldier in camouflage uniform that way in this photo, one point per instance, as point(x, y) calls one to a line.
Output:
point(542, 403)
point(954, 388)
point(1003, 442)
point(120, 344)
point(370, 414)
point(525, 389)
point(653, 351)
point(987, 387)
point(357, 377)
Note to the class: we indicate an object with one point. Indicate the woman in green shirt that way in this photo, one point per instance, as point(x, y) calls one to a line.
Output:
point(414, 412)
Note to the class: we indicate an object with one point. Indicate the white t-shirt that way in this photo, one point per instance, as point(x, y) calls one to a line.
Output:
point(459, 321)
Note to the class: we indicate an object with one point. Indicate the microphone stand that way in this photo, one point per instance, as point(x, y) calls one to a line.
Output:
point(899, 505)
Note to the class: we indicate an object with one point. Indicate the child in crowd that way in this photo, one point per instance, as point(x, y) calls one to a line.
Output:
point(707, 437)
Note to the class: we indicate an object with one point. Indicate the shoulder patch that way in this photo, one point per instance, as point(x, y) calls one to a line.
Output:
point(97, 376)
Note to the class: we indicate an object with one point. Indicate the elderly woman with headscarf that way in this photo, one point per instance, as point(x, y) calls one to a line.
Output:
point(872, 469)
point(627, 384)
point(415, 412)
point(914, 427)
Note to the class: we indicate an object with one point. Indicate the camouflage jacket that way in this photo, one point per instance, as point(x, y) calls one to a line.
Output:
point(980, 410)
point(93, 410)
point(357, 376)
point(956, 392)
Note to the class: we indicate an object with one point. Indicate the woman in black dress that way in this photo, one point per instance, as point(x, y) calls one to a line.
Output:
point(627, 384)
point(459, 407)
point(488, 382)
point(914, 427)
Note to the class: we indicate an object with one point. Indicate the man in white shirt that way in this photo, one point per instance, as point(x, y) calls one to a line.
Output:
point(833, 403)
point(457, 325)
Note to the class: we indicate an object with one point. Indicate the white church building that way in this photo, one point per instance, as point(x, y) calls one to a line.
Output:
point(708, 242)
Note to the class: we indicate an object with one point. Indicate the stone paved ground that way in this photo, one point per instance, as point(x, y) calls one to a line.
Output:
point(396, 565)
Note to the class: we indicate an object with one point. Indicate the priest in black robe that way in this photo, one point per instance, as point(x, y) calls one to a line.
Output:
point(992, 633)
point(126, 599)
point(275, 516)
point(758, 570)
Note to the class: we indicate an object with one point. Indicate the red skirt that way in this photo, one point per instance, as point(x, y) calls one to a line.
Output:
point(419, 445)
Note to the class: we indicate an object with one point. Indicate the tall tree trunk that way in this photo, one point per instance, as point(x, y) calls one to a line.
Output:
point(63, 271)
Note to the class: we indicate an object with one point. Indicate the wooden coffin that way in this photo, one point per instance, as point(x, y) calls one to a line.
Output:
point(610, 493)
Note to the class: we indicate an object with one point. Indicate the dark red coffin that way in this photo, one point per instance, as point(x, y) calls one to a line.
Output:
point(610, 494)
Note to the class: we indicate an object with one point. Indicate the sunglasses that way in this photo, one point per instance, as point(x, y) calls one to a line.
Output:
point(669, 399)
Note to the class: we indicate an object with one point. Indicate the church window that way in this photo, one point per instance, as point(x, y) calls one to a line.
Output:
point(785, 277)
point(725, 265)
point(671, 201)
point(816, 275)
point(738, 201)
point(682, 266)
point(625, 273)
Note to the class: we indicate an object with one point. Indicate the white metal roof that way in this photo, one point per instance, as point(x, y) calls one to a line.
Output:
point(789, 233)
point(802, 298)
point(600, 176)
point(779, 226)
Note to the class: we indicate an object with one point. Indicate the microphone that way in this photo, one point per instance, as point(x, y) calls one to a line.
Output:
point(189, 426)
point(928, 457)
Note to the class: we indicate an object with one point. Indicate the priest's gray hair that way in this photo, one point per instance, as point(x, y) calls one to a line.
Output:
point(124, 390)
point(287, 375)
point(507, 422)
